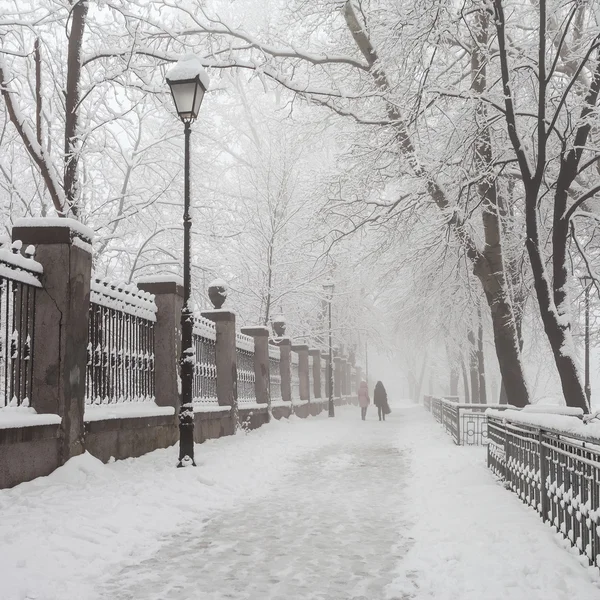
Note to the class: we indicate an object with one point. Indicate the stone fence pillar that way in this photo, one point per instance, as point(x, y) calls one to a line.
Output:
point(303, 375)
point(348, 379)
point(285, 366)
point(261, 361)
point(337, 376)
point(226, 360)
point(61, 323)
point(316, 372)
point(168, 296)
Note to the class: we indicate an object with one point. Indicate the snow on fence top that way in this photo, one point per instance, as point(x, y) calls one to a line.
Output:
point(19, 267)
point(124, 297)
point(564, 425)
point(244, 342)
point(274, 352)
point(205, 328)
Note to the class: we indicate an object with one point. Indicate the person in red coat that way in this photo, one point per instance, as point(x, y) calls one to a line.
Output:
point(363, 398)
point(380, 400)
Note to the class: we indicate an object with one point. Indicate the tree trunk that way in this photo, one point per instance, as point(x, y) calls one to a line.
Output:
point(473, 368)
point(72, 97)
point(558, 335)
point(491, 272)
point(465, 381)
point(480, 361)
point(454, 381)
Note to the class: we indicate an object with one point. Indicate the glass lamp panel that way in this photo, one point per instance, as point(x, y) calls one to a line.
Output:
point(183, 95)
point(198, 98)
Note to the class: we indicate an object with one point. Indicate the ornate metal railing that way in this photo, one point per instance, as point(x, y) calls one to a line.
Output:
point(120, 361)
point(295, 376)
point(246, 391)
point(555, 473)
point(275, 372)
point(19, 280)
point(466, 423)
point(204, 385)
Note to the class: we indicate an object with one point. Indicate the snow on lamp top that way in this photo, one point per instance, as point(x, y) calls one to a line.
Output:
point(188, 82)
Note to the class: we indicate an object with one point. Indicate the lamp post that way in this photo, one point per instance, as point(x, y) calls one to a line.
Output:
point(587, 282)
point(329, 287)
point(188, 82)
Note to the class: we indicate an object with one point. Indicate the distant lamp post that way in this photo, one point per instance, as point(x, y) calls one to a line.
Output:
point(188, 82)
point(328, 288)
point(587, 281)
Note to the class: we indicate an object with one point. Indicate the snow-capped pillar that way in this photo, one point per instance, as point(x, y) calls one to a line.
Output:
point(261, 361)
point(303, 375)
point(226, 362)
point(338, 369)
point(63, 247)
point(285, 366)
point(316, 372)
point(168, 295)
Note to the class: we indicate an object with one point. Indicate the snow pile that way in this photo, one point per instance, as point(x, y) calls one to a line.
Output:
point(471, 538)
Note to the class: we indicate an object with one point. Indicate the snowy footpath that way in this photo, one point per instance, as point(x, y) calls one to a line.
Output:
point(315, 509)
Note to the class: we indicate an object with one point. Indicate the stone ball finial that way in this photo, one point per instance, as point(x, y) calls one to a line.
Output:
point(217, 292)
point(279, 325)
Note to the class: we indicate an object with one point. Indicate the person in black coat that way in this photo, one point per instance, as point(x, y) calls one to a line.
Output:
point(380, 400)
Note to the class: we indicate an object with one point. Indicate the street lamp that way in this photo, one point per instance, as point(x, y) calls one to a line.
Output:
point(329, 287)
point(188, 82)
point(587, 282)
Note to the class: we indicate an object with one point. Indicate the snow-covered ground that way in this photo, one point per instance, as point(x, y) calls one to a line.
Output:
point(315, 509)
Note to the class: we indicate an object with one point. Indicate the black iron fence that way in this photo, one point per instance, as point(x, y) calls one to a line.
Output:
point(204, 385)
point(555, 473)
point(246, 391)
point(19, 280)
point(120, 361)
point(466, 423)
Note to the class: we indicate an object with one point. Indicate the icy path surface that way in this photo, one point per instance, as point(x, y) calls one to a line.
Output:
point(315, 509)
point(333, 527)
